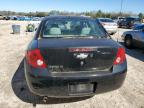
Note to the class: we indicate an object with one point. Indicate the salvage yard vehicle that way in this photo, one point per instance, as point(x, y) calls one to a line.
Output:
point(110, 26)
point(128, 22)
point(73, 56)
point(135, 37)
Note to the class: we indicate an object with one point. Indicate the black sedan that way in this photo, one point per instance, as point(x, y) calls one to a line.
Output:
point(73, 57)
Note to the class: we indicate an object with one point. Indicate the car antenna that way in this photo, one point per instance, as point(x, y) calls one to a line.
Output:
point(121, 8)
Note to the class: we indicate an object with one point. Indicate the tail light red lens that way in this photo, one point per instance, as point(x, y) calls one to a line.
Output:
point(35, 59)
point(120, 58)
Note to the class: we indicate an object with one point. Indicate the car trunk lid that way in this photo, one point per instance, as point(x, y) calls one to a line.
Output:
point(74, 55)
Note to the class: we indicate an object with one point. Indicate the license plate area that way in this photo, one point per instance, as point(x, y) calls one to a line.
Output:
point(81, 88)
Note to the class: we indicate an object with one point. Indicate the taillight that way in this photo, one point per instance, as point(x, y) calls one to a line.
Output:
point(35, 59)
point(120, 58)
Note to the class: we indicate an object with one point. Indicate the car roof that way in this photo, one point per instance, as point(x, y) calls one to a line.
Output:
point(65, 17)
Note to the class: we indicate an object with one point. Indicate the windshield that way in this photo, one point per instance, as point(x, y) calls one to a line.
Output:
point(72, 28)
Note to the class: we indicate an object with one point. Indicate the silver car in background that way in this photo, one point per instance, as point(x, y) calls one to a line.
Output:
point(110, 26)
point(135, 37)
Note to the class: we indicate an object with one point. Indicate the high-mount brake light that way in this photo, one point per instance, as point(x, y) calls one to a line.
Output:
point(81, 49)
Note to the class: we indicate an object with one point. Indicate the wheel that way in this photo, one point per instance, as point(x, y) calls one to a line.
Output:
point(128, 42)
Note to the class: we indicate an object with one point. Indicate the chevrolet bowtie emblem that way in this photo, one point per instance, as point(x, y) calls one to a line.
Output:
point(81, 56)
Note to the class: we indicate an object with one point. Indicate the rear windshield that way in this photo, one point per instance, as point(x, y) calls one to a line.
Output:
point(72, 27)
point(106, 20)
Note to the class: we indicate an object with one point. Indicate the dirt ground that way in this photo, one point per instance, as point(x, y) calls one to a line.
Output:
point(12, 46)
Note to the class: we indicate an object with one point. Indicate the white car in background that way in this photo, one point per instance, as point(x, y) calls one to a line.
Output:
point(110, 26)
point(135, 37)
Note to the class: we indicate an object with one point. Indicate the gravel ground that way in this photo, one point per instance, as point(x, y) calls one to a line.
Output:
point(130, 95)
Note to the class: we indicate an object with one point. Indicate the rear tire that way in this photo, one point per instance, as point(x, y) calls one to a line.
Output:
point(128, 42)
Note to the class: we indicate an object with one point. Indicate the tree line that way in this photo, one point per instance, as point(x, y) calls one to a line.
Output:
point(94, 14)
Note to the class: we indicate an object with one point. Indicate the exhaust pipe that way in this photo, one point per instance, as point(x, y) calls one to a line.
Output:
point(45, 98)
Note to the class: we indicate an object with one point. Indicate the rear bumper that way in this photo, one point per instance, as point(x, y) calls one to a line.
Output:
point(58, 85)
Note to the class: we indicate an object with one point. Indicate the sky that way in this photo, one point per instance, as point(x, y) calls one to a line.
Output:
point(134, 6)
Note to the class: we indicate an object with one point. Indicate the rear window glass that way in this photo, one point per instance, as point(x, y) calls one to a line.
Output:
point(72, 27)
